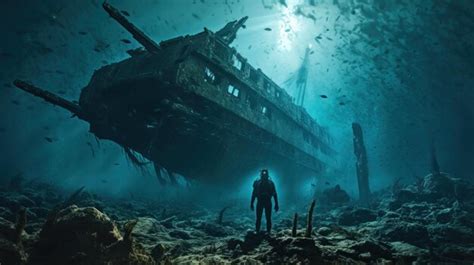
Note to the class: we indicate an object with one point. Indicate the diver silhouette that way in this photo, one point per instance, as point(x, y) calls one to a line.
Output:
point(263, 191)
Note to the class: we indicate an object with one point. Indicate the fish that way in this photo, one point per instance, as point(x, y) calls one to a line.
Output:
point(323, 96)
point(82, 33)
point(196, 16)
point(268, 29)
point(327, 183)
point(49, 139)
point(125, 41)
point(125, 13)
point(16, 102)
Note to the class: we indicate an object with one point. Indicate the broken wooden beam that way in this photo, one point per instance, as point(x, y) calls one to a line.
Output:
point(295, 225)
point(309, 223)
point(362, 168)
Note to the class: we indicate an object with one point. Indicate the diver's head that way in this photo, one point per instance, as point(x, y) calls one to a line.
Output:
point(264, 174)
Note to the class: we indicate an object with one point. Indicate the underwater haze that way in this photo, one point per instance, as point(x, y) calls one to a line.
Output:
point(402, 69)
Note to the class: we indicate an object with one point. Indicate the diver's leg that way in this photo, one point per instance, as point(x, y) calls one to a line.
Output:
point(268, 216)
point(259, 216)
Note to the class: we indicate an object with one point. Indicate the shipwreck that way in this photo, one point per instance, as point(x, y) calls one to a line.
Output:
point(194, 106)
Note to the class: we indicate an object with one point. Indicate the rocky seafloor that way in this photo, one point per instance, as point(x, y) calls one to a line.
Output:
point(430, 221)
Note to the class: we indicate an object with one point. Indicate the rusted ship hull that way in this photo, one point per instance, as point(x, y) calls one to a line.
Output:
point(181, 130)
point(194, 106)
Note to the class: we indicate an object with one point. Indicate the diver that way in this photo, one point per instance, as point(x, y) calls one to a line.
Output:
point(263, 191)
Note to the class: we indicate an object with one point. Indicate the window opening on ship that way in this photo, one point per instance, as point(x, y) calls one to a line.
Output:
point(267, 86)
point(266, 111)
point(233, 91)
point(210, 76)
point(236, 62)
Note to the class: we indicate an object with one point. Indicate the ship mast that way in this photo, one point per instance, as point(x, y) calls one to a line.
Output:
point(300, 79)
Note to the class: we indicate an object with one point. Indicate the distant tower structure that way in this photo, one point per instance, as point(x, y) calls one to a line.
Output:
point(299, 79)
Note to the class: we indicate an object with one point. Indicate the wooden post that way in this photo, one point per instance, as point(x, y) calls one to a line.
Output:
point(295, 225)
point(361, 164)
point(309, 223)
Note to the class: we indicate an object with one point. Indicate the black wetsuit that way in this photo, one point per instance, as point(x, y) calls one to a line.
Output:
point(264, 190)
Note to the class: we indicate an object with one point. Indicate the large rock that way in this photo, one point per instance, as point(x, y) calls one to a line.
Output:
point(452, 233)
point(406, 253)
point(85, 236)
point(75, 234)
point(461, 254)
point(357, 216)
point(401, 197)
point(412, 233)
point(292, 250)
point(334, 196)
point(436, 186)
point(363, 249)
point(11, 252)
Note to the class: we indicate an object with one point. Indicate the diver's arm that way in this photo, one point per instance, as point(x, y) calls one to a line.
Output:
point(254, 195)
point(275, 197)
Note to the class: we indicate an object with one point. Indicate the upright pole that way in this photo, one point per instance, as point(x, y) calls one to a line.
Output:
point(361, 164)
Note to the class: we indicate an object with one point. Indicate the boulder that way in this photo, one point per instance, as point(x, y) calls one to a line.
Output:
point(451, 233)
point(376, 249)
point(252, 240)
point(75, 235)
point(335, 195)
point(357, 216)
point(436, 186)
point(403, 196)
point(324, 231)
point(461, 254)
point(412, 233)
point(406, 253)
point(295, 250)
point(148, 225)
